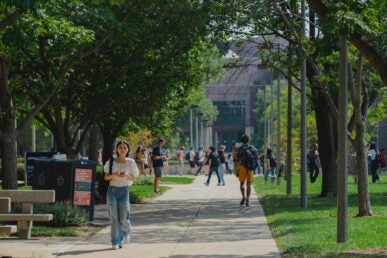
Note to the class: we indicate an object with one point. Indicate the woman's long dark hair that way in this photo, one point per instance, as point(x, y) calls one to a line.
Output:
point(122, 142)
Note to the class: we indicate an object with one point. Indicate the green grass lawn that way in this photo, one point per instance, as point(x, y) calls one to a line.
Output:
point(143, 188)
point(176, 180)
point(311, 232)
point(140, 193)
point(41, 231)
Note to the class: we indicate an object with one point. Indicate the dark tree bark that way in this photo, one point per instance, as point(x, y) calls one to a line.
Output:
point(93, 143)
point(7, 131)
point(327, 135)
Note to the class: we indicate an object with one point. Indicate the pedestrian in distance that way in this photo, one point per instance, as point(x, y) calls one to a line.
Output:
point(166, 162)
point(200, 160)
point(139, 157)
point(213, 163)
point(314, 162)
point(158, 163)
point(222, 165)
point(247, 160)
point(180, 160)
point(375, 162)
point(121, 172)
point(191, 160)
point(271, 165)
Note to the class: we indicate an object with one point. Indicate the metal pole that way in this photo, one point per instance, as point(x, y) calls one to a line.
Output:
point(33, 148)
point(271, 110)
point(289, 142)
point(304, 198)
point(264, 120)
point(197, 131)
point(342, 157)
point(278, 123)
point(190, 127)
point(201, 133)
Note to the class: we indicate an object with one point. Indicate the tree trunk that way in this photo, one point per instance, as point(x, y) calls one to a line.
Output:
point(93, 143)
point(108, 141)
point(327, 135)
point(364, 204)
point(7, 131)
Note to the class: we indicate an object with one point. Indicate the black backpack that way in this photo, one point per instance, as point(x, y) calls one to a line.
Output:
point(273, 162)
point(188, 156)
point(249, 158)
point(216, 160)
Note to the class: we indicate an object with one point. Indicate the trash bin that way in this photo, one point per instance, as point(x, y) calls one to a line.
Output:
point(72, 180)
point(84, 172)
point(42, 174)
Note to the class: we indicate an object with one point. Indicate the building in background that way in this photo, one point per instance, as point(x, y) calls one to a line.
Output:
point(235, 94)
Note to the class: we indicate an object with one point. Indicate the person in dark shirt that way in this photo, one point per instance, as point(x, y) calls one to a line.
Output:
point(158, 163)
point(213, 163)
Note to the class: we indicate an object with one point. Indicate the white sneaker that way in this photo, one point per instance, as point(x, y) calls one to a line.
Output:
point(116, 247)
point(127, 240)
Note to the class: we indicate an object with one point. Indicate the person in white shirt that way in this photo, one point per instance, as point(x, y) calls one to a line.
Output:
point(121, 172)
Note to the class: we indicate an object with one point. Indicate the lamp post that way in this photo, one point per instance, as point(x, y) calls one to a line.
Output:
point(204, 135)
point(193, 107)
point(198, 117)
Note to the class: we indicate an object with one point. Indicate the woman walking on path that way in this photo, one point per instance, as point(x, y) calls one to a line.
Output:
point(121, 173)
point(180, 159)
point(166, 163)
point(213, 163)
point(222, 165)
point(139, 157)
point(372, 152)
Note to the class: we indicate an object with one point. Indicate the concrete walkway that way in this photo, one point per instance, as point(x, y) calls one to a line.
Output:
point(187, 221)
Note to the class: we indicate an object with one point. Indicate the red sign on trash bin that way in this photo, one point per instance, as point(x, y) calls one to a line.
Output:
point(82, 186)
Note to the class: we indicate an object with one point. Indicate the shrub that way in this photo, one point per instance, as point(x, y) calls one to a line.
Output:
point(144, 181)
point(65, 214)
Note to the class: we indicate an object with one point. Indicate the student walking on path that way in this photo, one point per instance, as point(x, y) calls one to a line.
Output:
point(180, 159)
point(213, 163)
point(222, 165)
point(244, 173)
point(158, 162)
point(200, 162)
point(121, 173)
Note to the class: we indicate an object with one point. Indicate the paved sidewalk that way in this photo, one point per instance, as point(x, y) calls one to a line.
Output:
point(187, 221)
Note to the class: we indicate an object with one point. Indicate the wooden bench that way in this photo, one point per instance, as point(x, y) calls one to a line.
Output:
point(27, 198)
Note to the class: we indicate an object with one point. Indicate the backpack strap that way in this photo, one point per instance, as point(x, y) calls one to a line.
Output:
point(111, 166)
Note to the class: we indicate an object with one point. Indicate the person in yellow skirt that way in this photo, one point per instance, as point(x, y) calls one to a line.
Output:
point(244, 173)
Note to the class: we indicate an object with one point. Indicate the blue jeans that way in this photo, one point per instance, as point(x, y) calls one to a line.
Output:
point(119, 211)
point(222, 170)
point(257, 171)
point(270, 170)
point(374, 171)
point(213, 169)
